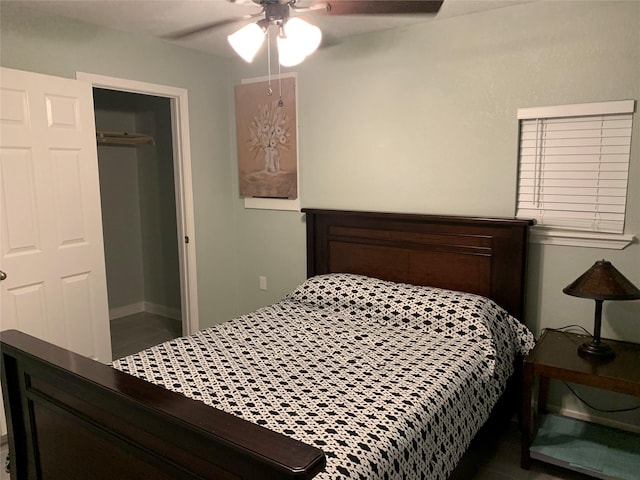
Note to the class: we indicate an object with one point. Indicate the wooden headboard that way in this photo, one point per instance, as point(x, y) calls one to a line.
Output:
point(486, 256)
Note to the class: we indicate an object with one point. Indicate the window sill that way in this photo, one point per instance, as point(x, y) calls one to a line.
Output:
point(272, 203)
point(573, 238)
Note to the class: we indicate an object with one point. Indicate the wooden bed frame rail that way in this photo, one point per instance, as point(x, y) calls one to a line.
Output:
point(71, 417)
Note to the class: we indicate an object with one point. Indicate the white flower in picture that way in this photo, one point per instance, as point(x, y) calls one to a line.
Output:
point(269, 134)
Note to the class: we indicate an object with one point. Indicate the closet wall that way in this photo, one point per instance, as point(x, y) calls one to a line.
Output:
point(138, 206)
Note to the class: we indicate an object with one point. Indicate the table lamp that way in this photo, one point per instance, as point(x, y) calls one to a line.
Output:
point(601, 282)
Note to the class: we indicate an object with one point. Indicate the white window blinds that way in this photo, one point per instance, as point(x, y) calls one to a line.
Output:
point(574, 164)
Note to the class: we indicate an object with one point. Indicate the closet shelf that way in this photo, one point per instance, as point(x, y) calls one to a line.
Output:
point(123, 138)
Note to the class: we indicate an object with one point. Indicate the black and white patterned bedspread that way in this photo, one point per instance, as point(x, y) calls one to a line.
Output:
point(389, 380)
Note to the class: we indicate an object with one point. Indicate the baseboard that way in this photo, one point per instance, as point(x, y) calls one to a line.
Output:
point(126, 310)
point(139, 307)
point(593, 418)
point(163, 310)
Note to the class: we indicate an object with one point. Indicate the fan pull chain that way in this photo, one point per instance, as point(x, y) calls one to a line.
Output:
point(269, 90)
point(280, 102)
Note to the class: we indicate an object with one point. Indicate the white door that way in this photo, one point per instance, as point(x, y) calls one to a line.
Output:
point(51, 243)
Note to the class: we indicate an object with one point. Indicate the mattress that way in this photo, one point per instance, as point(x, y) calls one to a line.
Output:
point(390, 380)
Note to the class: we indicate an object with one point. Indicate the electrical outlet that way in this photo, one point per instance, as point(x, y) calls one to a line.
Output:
point(263, 283)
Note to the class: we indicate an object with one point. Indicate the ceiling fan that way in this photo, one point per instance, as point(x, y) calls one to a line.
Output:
point(297, 38)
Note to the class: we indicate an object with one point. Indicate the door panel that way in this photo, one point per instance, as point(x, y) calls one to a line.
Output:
point(20, 202)
point(66, 170)
point(25, 305)
point(51, 242)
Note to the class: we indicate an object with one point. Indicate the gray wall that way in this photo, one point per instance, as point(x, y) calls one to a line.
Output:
point(423, 119)
point(119, 193)
point(138, 202)
point(158, 204)
point(420, 119)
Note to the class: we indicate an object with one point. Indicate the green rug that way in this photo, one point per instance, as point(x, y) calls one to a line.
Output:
point(605, 451)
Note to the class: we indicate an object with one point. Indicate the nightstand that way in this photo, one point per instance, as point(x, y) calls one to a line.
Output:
point(571, 443)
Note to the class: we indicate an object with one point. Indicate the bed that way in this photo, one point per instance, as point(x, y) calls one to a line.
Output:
point(338, 380)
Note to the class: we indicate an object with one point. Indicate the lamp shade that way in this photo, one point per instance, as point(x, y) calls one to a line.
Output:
point(603, 282)
point(297, 40)
point(288, 53)
point(247, 41)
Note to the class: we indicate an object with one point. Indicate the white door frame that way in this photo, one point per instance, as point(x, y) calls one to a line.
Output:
point(184, 190)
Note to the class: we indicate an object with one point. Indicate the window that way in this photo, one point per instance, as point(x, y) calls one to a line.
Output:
point(573, 170)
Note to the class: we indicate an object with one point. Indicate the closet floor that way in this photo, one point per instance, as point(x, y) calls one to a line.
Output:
point(136, 332)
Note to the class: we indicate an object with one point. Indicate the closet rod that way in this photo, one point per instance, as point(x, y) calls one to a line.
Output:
point(123, 138)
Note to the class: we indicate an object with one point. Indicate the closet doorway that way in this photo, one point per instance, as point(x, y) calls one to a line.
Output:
point(146, 212)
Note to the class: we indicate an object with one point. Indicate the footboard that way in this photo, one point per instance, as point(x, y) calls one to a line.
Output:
point(71, 417)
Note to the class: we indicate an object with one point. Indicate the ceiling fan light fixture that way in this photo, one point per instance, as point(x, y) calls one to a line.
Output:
point(247, 41)
point(287, 56)
point(297, 40)
point(288, 53)
point(306, 36)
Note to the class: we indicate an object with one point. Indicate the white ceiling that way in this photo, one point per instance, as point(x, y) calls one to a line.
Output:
point(159, 18)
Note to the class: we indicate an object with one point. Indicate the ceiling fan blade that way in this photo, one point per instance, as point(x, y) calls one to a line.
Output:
point(379, 7)
point(209, 26)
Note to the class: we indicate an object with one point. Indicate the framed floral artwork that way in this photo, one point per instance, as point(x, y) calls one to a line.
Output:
point(267, 139)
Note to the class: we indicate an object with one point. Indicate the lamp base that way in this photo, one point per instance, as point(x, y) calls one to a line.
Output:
point(596, 349)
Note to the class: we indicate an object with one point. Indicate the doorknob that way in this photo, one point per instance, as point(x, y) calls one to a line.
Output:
point(2, 275)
